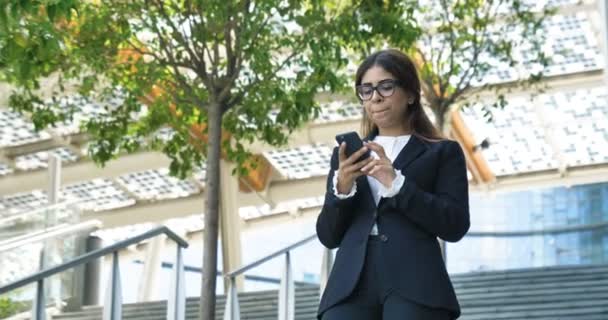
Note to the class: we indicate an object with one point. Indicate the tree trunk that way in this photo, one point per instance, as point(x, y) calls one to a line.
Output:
point(439, 112)
point(212, 187)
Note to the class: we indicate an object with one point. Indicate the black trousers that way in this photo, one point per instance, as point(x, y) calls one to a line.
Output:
point(374, 299)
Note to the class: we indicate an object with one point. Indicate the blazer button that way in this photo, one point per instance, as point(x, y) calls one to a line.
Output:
point(383, 238)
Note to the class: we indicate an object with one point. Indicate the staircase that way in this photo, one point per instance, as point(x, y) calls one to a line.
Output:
point(552, 293)
point(254, 305)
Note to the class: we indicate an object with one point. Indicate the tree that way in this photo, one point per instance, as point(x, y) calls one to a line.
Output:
point(9, 307)
point(250, 69)
point(465, 42)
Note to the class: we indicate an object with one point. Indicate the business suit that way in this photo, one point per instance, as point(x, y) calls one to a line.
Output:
point(433, 202)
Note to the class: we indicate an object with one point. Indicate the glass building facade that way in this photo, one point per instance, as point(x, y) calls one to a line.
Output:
point(541, 227)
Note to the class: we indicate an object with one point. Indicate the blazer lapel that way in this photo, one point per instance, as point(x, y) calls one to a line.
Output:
point(412, 150)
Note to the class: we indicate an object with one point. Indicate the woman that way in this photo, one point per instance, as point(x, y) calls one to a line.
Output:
point(386, 212)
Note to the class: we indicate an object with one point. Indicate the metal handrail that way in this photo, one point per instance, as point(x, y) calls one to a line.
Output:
point(258, 262)
point(92, 256)
point(538, 232)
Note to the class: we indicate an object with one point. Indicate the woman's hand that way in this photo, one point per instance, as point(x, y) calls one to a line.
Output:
point(349, 170)
point(381, 168)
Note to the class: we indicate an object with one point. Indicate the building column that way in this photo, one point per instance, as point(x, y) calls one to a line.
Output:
point(53, 248)
point(230, 223)
point(603, 7)
point(148, 285)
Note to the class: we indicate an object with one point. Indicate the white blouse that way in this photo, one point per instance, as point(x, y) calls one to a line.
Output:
point(392, 147)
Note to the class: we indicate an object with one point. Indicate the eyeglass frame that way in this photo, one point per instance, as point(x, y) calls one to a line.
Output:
point(395, 83)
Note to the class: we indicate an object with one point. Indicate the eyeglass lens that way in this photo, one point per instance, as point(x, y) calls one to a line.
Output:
point(385, 89)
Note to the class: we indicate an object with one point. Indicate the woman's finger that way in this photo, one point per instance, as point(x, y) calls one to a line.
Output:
point(357, 174)
point(370, 165)
point(373, 171)
point(379, 168)
point(342, 152)
point(376, 169)
point(378, 149)
point(355, 156)
point(358, 165)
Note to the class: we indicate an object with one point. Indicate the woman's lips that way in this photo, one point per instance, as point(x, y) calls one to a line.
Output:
point(381, 111)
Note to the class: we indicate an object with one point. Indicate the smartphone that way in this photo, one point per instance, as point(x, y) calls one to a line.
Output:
point(353, 144)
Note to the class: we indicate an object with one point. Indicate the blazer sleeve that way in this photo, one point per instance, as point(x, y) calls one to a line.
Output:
point(336, 214)
point(444, 213)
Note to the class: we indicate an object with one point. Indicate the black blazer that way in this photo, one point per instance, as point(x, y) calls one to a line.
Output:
point(433, 202)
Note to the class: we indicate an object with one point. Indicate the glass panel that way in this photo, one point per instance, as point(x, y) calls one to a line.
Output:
point(28, 222)
point(20, 258)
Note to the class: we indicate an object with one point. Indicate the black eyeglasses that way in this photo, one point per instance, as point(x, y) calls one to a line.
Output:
point(385, 88)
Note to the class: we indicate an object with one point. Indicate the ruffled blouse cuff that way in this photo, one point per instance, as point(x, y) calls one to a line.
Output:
point(340, 195)
point(395, 187)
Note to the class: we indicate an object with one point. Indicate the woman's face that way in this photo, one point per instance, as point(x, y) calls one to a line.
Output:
point(388, 112)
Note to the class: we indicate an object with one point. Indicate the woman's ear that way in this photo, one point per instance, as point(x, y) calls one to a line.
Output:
point(410, 98)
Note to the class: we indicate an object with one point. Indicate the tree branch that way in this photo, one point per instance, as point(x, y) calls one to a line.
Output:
point(426, 83)
point(179, 37)
point(442, 85)
point(480, 39)
point(238, 98)
point(172, 63)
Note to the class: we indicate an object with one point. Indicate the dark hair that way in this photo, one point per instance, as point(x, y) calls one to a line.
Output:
point(403, 69)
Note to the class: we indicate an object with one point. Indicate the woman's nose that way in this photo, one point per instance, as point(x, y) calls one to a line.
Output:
point(376, 97)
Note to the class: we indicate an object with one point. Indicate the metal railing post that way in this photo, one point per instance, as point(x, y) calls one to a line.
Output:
point(39, 303)
point(112, 308)
point(92, 273)
point(287, 292)
point(38, 308)
point(232, 310)
point(176, 304)
point(326, 264)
